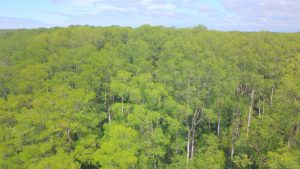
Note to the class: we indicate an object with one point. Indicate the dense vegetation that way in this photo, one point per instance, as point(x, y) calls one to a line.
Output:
point(149, 97)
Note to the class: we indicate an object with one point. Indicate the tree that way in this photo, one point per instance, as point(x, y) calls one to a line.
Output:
point(283, 158)
point(209, 156)
point(118, 148)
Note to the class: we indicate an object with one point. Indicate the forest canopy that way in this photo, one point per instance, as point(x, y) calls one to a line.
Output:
point(149, 97)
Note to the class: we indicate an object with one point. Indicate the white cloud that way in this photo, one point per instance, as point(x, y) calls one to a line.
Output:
point(83, 2)
point(149, 4)
point(264, 14)
point(90, 7)
point(109, 7)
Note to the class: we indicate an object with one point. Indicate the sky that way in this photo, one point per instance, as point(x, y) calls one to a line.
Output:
point(225, 15)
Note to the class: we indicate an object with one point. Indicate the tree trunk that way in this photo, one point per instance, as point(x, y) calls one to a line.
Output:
point(193, 141)
point(195, 122)
point(250, 111)
point(271, 98)
point(109, 114)
point(187, 123)
point(232, 150)
point(188, 149)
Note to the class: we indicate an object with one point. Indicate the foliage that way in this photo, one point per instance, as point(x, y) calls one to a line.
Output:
point(149, 97)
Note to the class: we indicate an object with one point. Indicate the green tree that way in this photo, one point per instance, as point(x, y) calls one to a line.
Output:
point(118, 148)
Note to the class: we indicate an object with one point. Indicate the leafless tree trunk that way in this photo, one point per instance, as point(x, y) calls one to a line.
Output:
point(271, 99)
point(232, 149)
point(187, 123)
point(109, 114)
point(250, 111)
point(188, 149)
point(193, 142)
point(195, 122)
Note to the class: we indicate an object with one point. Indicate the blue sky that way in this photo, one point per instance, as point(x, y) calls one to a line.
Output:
point(244, 15)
